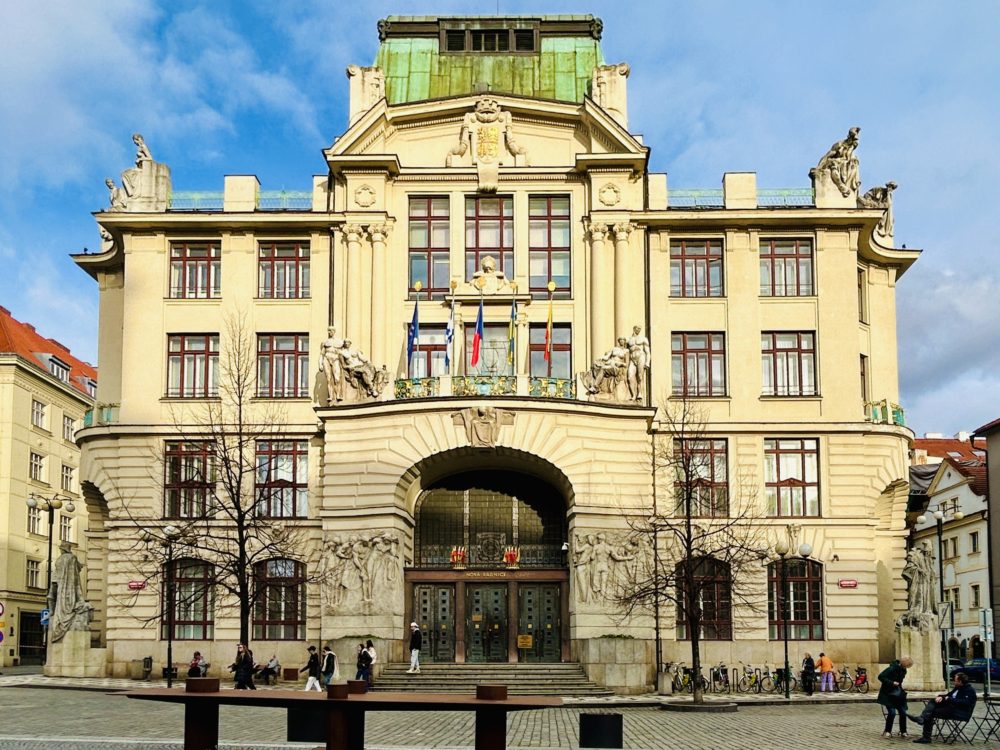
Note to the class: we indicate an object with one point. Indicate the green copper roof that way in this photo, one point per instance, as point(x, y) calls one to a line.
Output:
point(561, 69)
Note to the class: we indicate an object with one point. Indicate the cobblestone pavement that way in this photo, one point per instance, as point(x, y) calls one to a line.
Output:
point(32, 719)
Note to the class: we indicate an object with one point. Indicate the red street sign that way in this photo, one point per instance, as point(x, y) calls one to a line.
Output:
point(136, 585)
point(847, 583)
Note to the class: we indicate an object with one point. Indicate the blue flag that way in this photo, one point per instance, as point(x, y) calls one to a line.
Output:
point(413, 341)
point(449, 336)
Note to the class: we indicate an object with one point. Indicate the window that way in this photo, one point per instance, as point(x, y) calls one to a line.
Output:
point(282, 478)
point(791, 481)
point(712, 589)
point(804, 602)
point(976, 597)
point(283, 270)
point(696, 268)
point(280, 605)
point(282, 365)
point(489, 230)
point(38, 414)
point(91, 387)
point(189, 480)
point(195, 271)
point(428, 353)
point(560, 361)
point(788, 363)
point(864, 379)
point(59, 368)
point(33, 574)
point(35, 521)
point(953, 596)
point(949, 547)
point(698, 364)
point(193, 366)
point(974, 541)
point(548, 246)
point(65, 529)
point(430, 240)
point(36, 466)
point(489, 40)
point(68, 428)
point(194, 600)
point(66, 478)
point(786, 268)
point(493, 350)
point(862, 295)
point(706, 489)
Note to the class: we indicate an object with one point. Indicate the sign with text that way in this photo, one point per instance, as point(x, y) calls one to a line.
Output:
point(525, 641)
point(847, 583)
point(136, 585)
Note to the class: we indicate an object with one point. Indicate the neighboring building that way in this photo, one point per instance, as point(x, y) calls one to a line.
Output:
point(531, 209)
point(990, 432)
point(934, 446)
point(44, 394)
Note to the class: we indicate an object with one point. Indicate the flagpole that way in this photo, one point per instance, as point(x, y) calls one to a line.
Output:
point(450, 340)
point(416, 307)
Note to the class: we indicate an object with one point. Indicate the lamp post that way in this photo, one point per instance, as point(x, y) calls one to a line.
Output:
point(781, 550)
point(939, 518)
point(170, 535)
point(50, 505)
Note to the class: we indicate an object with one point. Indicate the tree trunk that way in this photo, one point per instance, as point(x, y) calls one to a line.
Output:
point(694, 625)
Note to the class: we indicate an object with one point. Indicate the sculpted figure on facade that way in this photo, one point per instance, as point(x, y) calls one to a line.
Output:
point(145, 187)
point(608, 372)
point(70, 610)
point(488, 280)
point(638, 364)
point(360, 572)
point(360, 373)
point(118, 197)
point(841, 165)
point(330, 365)
point(482, 424)
point(881, 197)
point(599, 564)
point(349, 374)
point(487, 133)
point(921, 610)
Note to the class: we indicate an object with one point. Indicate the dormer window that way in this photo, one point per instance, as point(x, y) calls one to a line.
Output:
point(91, 388)
point(59, 369)
point(495, 40)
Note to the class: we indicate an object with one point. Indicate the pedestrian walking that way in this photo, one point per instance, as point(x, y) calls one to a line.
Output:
point(312, 667)
point(808, 674)
point(329, 670)
point(370, 648)
point(957, 703)
point(416, 641)
point(825, 666)
point(364, 664)
point(892, 696)
point(242, 668)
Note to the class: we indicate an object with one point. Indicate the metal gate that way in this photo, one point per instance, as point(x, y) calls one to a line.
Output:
point(434, 611)
point(538, 616)
point(30, 648)
point(486, 626)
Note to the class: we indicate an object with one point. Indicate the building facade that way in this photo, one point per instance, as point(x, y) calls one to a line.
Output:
point(475, 325)
point(45, 393)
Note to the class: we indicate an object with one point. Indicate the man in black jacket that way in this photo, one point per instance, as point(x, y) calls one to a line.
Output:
point(957, 703)
point(416, 641)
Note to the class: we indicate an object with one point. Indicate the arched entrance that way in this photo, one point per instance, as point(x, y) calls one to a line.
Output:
point(489, 579)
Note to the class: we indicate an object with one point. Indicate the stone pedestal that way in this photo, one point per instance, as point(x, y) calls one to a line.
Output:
point(72, 656)
point(925, 650)
point(828, 195)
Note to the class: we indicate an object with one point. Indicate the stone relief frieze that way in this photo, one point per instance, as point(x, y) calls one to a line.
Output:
point(487, 137)
point(360, 573)
point(482, 424)
point(602, 562)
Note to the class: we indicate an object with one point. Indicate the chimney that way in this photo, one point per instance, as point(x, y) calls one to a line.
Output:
point(963, 436)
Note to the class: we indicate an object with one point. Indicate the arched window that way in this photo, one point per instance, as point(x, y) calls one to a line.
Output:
point(804, 589)
point(955, 650)
point(712, 589)
point(194, 600)
point(280, 608)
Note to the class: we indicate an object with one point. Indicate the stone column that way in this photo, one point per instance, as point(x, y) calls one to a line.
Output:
point(622, 231)
point(380, 293)
point(354, 291)
point(601, 333)
point(522, 367)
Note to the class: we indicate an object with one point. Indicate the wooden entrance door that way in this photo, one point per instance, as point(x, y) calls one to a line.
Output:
point(538, 609)
point(486, 623)
point(434, 611)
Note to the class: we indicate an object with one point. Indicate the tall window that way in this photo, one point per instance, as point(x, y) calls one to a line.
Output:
point(705, 463)
point(282, 478)
point(193, 366)
point(862, 295)
point(65, 529)
point(91, 387)
point(696, 268)
point(66, 478)
point(68, 428)
point(489, 230)
point(282, 365)
point(492, 351)
point(195, 270)
point(788, 363)
point(548, 246)
point(791, 476)
point(560, 361)
point(976, 602)
point(804, 603)
point(38, 414)
point(712, 589)
point(428, 357)
point(864, 380)
point(283, 270)
point(280, 607)
point(698, 364)
point(59, 369)
point(974, 541)
point(36, 466)
point(34, 521)
point(33, 574)
point(194, 600)
point(189, 479)
point(430, 240)
point(786, 268)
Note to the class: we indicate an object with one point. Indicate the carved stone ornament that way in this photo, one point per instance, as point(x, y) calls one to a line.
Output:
point(364, 196)
point(383, 27)
point(598, 232)
point(482, 424)
point(379, 232)
point(609, 195)
point(144, 187)
point(487, 281)
point(881, 197)
point(606, 380)
point(840, 165)
point(346, 375)
point(596, 28)
point(366, 88)
point(637, 365)
point(487, 136)
point(360, 573)
point(70, 609)
point(609, 88)
point(921, 587)
point(604, 562)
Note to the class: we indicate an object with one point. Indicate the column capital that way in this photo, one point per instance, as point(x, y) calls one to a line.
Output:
point(379, 232)
point(622, 230)
point(354, 232)
point(598, 232)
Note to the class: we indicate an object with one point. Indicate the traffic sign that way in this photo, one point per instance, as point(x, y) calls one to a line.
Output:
point(45, 617)
point(1, 636)
point(1, 609)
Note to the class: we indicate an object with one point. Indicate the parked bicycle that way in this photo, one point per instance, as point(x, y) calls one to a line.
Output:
point(719, 678)
point(845, 682)
point(752, 680)
point(779, 680)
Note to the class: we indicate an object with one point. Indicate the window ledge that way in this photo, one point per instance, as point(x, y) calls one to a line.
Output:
point(44, 431)
point(811, 397)
point(183, 399)
point(280, 300)
point(282, 399)
point(185, 300)
point(682, 397)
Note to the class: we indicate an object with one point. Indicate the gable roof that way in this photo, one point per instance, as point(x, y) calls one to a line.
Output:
point(975, 472)
point(987, 428)
point(23, 340)
point(945, 447)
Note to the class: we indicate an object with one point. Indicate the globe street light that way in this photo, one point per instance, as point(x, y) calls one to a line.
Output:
point(170, 535)
point(939, 518)
point(781, 550)
point(50, 505)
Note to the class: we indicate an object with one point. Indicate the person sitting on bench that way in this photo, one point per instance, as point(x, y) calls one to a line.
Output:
point(957, 704)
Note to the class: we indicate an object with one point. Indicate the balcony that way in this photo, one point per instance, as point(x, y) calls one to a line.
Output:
point(885, 412)
point(484, 385)
point(101, 414)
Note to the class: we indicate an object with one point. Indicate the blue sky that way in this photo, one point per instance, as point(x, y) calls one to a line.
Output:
point(258, 87)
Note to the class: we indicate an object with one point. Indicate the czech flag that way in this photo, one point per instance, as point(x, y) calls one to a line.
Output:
point(477, 338)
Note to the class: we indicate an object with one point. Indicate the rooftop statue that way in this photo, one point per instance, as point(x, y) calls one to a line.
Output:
point(145, 187)
point(881, 197)
point(841, 165)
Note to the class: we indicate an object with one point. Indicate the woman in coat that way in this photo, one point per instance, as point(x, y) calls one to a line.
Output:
point(892, 696)
point(243, 668)
point(808, 674)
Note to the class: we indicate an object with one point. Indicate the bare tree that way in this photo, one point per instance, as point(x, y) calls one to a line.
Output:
point(705, 538)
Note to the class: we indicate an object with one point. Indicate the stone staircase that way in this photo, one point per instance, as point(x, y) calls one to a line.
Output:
point(520, 679)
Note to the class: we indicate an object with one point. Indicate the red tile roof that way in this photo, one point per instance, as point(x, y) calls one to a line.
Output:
point(975, 471)
point(944, 447)
point(987, 428)
point(22, 339)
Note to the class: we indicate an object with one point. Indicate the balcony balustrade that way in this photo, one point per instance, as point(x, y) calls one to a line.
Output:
point(484, 385)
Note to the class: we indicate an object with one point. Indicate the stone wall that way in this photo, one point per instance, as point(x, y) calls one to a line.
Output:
point(625, 665)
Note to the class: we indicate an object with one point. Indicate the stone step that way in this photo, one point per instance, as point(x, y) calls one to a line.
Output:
point(521, 679)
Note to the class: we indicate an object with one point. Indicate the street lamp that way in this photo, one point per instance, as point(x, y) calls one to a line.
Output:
point(939, 517)
point(781, 550)
point(170, 535)
point(50, 505)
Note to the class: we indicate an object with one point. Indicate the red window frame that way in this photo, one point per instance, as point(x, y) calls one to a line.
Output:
point(283, 270)
point(279, 612)
point(703, 358)
point(195, 270)
point(194, 600)
point(562, 342)
point(188, 479)
point(780, 256)
point(284, 494)
point(289, 365)
point(785, 492)
point(436, 276)
point(714, 588)
point(187, 360)
point(547, 250)
point(804, 589)
point(475, 218)
point(706, 461)
point(692, 263)
point(792, 369)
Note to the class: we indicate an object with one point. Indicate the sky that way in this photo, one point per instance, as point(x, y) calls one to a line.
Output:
point(258, 87)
